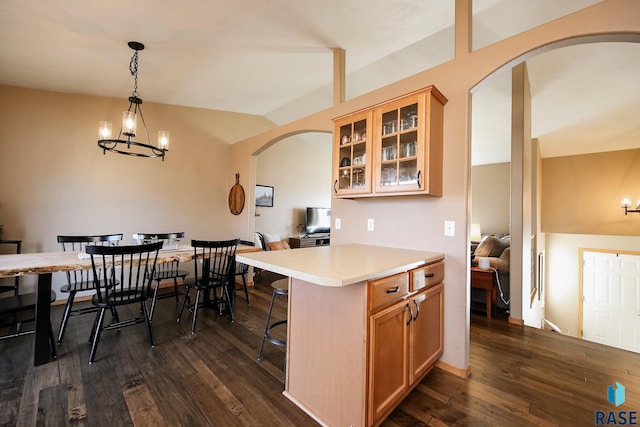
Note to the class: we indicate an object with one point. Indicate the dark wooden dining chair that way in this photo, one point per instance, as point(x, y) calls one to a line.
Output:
point(17, 309)
point(4, 284)
point(214, 264)
point(81, 280)
point(128, 272)
point(242, 270)
point(168, 270)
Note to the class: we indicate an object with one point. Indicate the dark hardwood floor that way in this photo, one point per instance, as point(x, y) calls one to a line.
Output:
point(520, 376)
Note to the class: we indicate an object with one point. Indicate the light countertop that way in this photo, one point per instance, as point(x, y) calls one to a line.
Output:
point(339, 265)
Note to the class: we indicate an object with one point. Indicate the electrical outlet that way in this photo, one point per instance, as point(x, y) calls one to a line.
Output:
point(370, 224)
point(450, 228)
point(337, 224)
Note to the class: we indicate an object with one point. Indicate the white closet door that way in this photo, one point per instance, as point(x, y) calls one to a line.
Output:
point(611, 299)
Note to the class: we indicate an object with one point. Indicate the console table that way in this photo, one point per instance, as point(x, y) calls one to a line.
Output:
point(308, 241)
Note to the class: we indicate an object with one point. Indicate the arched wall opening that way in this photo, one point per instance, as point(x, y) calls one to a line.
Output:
point(298, 167)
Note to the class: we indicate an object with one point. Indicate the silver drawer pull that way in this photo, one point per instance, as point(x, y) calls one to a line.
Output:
point(394, 290)
point(417, 309)
point(410, 314)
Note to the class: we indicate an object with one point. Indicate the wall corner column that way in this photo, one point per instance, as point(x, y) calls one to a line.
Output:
point(339, 67)
point(463, 28)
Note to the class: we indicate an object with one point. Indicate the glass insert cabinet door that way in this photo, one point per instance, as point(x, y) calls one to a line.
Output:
point(352, 154)
point(400, 144)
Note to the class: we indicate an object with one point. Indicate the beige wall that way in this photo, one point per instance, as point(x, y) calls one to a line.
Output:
point(417, 222)
point(582, 194)
point(490, 197)
point(55, 180)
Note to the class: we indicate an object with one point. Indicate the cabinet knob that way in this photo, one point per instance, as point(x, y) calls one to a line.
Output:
point(335, 190)
point(393, 290)
point(419, 173)
point(430, 275)
point(410, 314)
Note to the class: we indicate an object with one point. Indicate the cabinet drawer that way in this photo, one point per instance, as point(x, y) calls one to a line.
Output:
point(387, 290)
point(427, 276)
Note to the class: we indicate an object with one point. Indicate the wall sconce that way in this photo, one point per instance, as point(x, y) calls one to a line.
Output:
point(626, 204)
point(476, 235)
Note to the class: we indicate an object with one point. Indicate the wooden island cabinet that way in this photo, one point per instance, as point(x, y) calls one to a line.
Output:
point(364, 327)
point(405, 338)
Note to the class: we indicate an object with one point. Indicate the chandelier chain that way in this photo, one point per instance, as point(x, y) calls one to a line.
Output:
point(133, 68)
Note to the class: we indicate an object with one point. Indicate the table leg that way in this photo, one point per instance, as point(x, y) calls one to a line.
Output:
point(487, 294)
point(41, 351)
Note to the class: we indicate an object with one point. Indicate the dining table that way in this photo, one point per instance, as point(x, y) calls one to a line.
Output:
point(44, 264)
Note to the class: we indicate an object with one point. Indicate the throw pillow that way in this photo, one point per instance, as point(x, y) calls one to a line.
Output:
point(279, 245)
point(489, 246)
point(502, 263)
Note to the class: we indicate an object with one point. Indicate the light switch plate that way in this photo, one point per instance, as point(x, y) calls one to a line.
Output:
point(450, 228)
point(370, 224)
point(337, 224)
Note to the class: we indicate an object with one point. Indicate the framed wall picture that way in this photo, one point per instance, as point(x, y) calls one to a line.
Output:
point(264, 196)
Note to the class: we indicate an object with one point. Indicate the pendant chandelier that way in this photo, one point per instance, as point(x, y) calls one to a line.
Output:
point(124, 143)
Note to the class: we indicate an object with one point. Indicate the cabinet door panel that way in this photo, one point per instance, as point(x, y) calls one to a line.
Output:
point(399, 145)
point(388, 346)
point(352, 155)
point(426, 330)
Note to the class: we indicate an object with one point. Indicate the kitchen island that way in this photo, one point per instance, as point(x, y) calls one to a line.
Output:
point(364, 327)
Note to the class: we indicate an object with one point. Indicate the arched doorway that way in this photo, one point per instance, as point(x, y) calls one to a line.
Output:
point(298, 168)
point(553, 70)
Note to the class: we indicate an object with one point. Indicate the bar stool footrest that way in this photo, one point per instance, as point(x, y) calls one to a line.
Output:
point(273, 340)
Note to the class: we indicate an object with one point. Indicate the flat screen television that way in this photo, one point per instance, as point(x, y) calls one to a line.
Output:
point(318, 221)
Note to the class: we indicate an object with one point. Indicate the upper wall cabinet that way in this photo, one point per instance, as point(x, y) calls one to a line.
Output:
point(400, 153)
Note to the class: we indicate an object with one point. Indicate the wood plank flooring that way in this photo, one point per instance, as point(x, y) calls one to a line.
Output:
point(520, 377)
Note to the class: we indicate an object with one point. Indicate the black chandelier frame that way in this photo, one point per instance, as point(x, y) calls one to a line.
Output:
point(140, 149)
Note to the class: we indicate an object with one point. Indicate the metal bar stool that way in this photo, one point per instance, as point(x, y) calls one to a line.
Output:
point(280, 287)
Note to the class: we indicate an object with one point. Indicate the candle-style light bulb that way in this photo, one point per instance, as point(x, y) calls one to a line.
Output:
point(163, 139)
point(129, 122)
point(104, 130)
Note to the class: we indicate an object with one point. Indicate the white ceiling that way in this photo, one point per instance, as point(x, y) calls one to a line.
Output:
point(584, 99)
point(274, 58)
